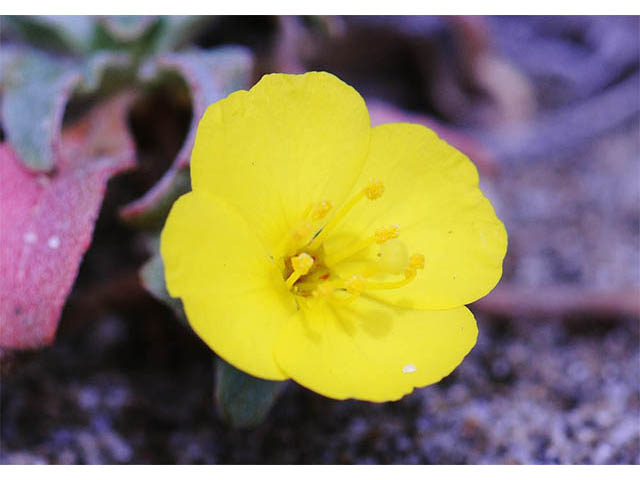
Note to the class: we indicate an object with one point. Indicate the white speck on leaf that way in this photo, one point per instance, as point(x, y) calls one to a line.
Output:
point(409, 368)
point(30, 237)
point(53, 242)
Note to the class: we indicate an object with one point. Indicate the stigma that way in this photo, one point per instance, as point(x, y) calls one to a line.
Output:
point(301, 265)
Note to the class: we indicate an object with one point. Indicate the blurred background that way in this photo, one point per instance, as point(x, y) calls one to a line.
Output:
point(548, 108)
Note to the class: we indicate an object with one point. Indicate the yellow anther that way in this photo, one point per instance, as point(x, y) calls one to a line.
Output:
point(409, 276)
point(381, 236)
point(321, 209)
point(302, 263)
point(416, 261)
point(355, 285)
point(302, 232)
point(386, 233)
point(324, 289)
point(374, 189)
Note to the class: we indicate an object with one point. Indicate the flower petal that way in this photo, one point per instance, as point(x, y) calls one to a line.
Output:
point(290, 141)
point(432, 194)
point(372, 351)
point(234, 296)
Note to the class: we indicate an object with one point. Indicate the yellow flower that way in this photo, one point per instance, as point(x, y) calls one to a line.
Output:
point(316, 248)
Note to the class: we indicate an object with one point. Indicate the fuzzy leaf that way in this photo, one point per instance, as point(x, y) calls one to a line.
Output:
point(135, 34)
point(210, 75)
point(152, 209)
point(243, 400)
point(106, 71)
point(128, 28)
point(177, 30)
point(47, 222)
point(152, 278)
point(35, 89)
point(59, 32)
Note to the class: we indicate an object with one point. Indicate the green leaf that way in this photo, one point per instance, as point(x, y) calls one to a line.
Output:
point(136, 35)
point(243, 400)
point(72, 33)
point(152, 278)
point(128, 28)
point(36, 89)
point(105, 72)
point(178, 30)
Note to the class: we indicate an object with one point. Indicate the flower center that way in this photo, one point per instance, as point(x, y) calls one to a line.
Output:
point(310, 272)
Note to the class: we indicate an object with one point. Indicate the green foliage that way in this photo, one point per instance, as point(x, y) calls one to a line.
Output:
point(61, 33)
point(141, 35)
point(136, 35)
point(177, 30)
point(152, 278)
point(35, 88)
point(105, 72)
point(243, 400)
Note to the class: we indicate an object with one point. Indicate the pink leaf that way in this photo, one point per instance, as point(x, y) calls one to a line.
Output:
point(46, 222)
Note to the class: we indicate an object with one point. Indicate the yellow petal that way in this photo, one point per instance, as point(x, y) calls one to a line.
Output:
point(432, 194)
point(372, 351)
point(289, 142)
point(234, 296)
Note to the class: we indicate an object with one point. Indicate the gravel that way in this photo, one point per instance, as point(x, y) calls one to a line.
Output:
point(531, 391)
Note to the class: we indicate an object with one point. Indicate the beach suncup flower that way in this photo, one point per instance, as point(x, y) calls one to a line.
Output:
point(316, 248)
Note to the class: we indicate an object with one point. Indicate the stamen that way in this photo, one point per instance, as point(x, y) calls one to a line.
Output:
point(301, 265)
point(302, 232)
point(409, 276)
point(313, 267)
point(416, 261)
point(355, 285)
point(373, 190)
point(321, 209)
point(381, 236)
point(386, 233)
point(324, 289)
point(299, 236)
